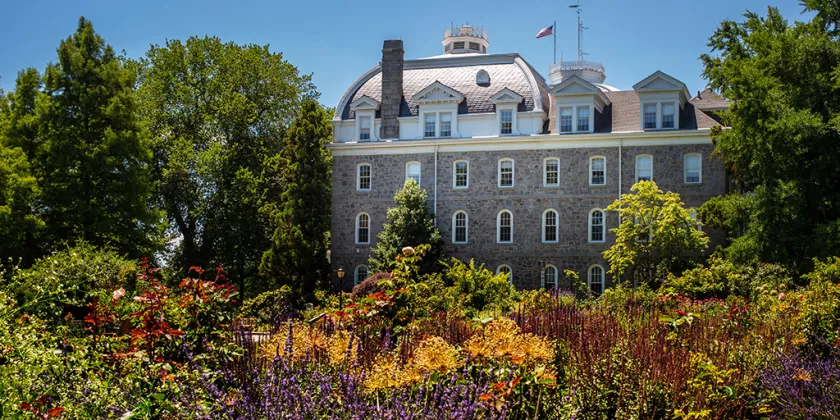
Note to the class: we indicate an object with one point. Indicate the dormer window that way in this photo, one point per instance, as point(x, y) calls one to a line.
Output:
point(583, 119)
point(437, 106)
point(566, 120)
point(650, 116)
point(661, 98)
point(659, 115)
point(578, 101)
point(507, 102)
point(365, 108)
point(667, 115)
point(507, 121)
point(364, 128)
point(429, 125)
point(446, 124)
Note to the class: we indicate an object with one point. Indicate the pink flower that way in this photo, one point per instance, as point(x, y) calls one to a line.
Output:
point(118, 294)
point(781, 296)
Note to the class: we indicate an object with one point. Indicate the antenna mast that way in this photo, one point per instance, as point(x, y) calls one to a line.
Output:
point(580, 29)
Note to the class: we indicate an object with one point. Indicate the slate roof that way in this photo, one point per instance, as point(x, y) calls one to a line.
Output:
point(461, 76)
point(709, 100)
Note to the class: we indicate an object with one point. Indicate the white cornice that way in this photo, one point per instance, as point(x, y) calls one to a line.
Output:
point(536, 142)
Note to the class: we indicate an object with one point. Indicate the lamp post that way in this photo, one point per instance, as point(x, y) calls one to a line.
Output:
point(341, 287)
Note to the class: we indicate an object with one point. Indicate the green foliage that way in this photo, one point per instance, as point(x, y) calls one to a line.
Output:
point(218, 113)
point(64, 282)
point(20, 224)
point(266, 307)
point(781, 146)
point(409, 224)
point(477, 288)
point(657, 234)
point(721, 278)
point(298, 254)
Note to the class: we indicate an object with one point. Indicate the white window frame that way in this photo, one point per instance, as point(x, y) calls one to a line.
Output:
point(510, 271)
point(499, 227)
point(502, 113)
point(514, 130)
point(638, 157)
point(356, 234)
point(440, 124)
point(556, 227)
point(356, 280)
point(366, 114)
point(512, 173)
point(603, 281)
point(556, 276)
point(419, 175)
point(560, 119)
point(699, 157)
point(359, 177)
point(662, 116)
point(658, 105)
point(434, 121)
point(603, 227)
point(592, 158)
point(466, 228)
point(436, 110)
point(455, 174)
point(545, 172)
point(574, 108)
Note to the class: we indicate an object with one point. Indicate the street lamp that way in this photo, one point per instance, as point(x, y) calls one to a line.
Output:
point(340, 273)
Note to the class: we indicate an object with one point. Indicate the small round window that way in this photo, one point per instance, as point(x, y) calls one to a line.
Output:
point(482, 78)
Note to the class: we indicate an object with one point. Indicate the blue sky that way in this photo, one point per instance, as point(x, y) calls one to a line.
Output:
point(338, 41)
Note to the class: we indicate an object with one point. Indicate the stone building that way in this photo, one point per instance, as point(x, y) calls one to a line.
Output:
point(518, 169)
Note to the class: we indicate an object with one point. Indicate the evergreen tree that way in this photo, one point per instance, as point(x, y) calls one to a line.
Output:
point(409, 224)
point(298, 253)
point(80, 131)
point(782, 144)
point(218, 113)
point(20, 225)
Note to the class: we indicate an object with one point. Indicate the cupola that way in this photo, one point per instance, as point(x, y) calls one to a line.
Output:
point(465, 39)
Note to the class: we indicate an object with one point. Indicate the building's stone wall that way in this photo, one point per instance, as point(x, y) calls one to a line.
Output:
point(527, 200)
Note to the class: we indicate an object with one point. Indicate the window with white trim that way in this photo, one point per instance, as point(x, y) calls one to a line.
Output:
point(650, 116)
point(506, 121)
point(461, 174)
point(446, 124)
point(550, 227)
point(595, 280)
point(412, 171)
point(362, 228)
point(697, 222)
point(644, 168)
point(363, 177)
point(550, 278)
point(429, 124)
point(460, 227)
point(583, 118)
point(566, 120)
point(551, 172)
point(506, 173)
point(505, 269)
point(360, 274)
point(364, 128)
point(504, 227)
point(597, 170)
point(668, 115)
point(693, 168)
point(597, 231)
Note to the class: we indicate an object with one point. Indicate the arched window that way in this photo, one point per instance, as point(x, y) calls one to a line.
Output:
point(597, 170)
point(362, 228)
point(597, 231)
point(595, 280)
point(644, 168)
point(551, 172)
point(461, 174)
point(360, 275)
point(505, 269)
point(550, 227)
point(504, 227)
point(506, 173)
point(460, 227)
point(550, 278)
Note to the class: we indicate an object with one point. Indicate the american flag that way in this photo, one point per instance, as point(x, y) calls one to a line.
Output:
point(545, 32)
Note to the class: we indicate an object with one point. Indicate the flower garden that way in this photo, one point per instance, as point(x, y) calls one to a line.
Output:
point(457, 345)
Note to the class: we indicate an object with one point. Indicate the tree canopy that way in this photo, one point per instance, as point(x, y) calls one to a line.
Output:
point(781, 144)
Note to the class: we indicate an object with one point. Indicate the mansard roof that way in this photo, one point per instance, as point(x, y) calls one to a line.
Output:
point(457, 72)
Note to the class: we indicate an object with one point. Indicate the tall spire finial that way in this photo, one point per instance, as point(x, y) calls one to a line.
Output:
point(579, 8)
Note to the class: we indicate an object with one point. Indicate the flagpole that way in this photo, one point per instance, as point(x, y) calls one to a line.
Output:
point(554, 30)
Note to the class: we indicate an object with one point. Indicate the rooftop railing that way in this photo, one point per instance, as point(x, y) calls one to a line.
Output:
point(465, 30)
point(578, 65)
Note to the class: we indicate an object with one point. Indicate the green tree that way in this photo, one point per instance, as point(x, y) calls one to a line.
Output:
point(781, 146)
point(218, 112)
point(20, 225)
point(656, 236)
point(298, 253)
point(409, 224)
point(79, 127)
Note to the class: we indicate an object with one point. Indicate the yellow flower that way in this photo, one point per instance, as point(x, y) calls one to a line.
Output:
point(337, 350)
point(802, 375)
point(436, 355)
point(307, 341)
point(502, 339)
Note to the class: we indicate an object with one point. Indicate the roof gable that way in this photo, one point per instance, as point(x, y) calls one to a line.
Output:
point(659, 82)
point(506, 96)
point(364, 103)
point(577, 86)
point(437, 92)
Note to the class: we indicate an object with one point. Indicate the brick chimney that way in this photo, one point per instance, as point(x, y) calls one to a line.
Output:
point(392, 88)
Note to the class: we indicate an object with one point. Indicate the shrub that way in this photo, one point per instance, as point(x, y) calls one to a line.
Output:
point(720, 278)
point(369, 285)
point(477, 288)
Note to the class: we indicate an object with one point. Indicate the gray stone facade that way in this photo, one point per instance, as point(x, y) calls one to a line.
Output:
point(527, 200)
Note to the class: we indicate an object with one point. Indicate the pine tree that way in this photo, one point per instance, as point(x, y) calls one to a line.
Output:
point(20, 225)
point(409, 224)
point(92, 152)
point(298, 254)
